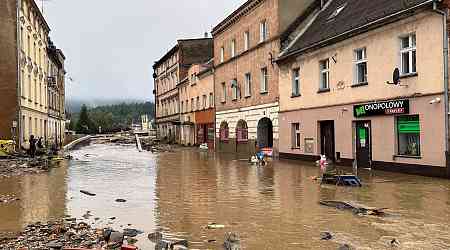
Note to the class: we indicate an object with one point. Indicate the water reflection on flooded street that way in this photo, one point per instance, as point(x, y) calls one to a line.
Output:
point(273, 207)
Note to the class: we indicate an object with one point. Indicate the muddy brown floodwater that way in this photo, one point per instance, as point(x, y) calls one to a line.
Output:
point(273, 207)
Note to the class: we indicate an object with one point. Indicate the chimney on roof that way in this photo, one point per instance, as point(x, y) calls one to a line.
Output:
point(206, 34)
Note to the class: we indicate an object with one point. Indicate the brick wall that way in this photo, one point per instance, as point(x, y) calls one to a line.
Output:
point(8, 66)
point(251, 61)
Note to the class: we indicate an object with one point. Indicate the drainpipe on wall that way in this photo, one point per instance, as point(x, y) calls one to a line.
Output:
point(444, 13)
point(19, 76)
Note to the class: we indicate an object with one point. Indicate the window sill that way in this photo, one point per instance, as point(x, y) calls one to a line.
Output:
point(360, 84)
point(323, 90)
point(295, 95)
point(264, 92)
point(247, 96)
point(295, 148)
point(408, 75)
point(407, 156)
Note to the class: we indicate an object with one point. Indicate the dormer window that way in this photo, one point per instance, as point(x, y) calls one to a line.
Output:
point(337, 11)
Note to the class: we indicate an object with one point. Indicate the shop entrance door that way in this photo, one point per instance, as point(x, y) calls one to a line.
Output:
point(363, 144)
point(327, 143)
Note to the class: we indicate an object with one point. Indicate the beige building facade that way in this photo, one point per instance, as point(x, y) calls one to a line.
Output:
point(339, 94)
point(24, 81)
point(56, 96)
point(33, 35)
point(197, 105)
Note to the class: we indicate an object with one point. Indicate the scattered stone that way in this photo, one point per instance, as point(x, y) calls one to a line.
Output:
point(121, 200)
point(112, 218)
point(131, 232)
point(87, 193)
point(394, 243)
point(55, 244)
point(232, 241)
point(326, 236)
point(87, 215)
point(155, 237)
point(345, 247)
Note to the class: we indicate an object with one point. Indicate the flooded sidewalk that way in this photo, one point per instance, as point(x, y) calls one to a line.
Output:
point(273, 207)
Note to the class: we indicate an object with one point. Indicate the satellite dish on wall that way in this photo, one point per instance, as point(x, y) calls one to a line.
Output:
point(395, 77)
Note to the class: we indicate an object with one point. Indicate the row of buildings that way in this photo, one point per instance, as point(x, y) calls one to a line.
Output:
point(360, 81)
point(32, 76)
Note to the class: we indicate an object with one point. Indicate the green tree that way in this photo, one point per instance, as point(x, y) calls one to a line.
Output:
point(84, 124)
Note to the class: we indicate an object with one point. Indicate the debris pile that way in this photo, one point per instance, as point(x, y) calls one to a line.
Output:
point(22, 165)
point(67, 233)
point(357, 209)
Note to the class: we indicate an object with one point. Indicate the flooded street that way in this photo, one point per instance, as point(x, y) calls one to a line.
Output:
point(273, 207)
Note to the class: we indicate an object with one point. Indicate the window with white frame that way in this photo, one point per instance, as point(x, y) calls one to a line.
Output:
point(234, 89)
point(248, 85)
point(296, 135)
point(324, 74)
point(296, 82)
point(211, 100)
point(192, 104)
point(408, 54)
point(263, 33)
point(222, 54)
point(224, 92)
point(204, 101)
point(264, 80)
point(246, 40)
point(233, 48)
point(182, 106)
point(360, 66)
point(198, 103)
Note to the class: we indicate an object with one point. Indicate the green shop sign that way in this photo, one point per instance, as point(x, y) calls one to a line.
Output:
point(381, 108)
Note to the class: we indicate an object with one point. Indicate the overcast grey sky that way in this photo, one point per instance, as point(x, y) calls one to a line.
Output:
point(111, 45)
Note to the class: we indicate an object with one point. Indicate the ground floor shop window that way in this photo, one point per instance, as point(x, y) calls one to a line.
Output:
point(295, 135)
point(408, 132)
point(211, 133)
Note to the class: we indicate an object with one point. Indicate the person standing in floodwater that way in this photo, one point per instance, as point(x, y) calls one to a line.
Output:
point(32, 146)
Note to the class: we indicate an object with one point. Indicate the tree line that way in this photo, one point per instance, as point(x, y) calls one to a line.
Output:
point(109, 118)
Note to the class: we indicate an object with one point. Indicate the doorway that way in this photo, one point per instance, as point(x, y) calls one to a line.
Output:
point(363, 144)
point(327, 141)
point(265, 133)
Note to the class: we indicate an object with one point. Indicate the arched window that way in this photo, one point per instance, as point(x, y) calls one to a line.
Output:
point(224, 132)
point(241, 132)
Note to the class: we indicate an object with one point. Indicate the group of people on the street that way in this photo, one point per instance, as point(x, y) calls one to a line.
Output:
point(37, 144)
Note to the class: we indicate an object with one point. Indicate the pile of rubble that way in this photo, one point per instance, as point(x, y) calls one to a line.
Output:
point(22, 165)
point(64, 234)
